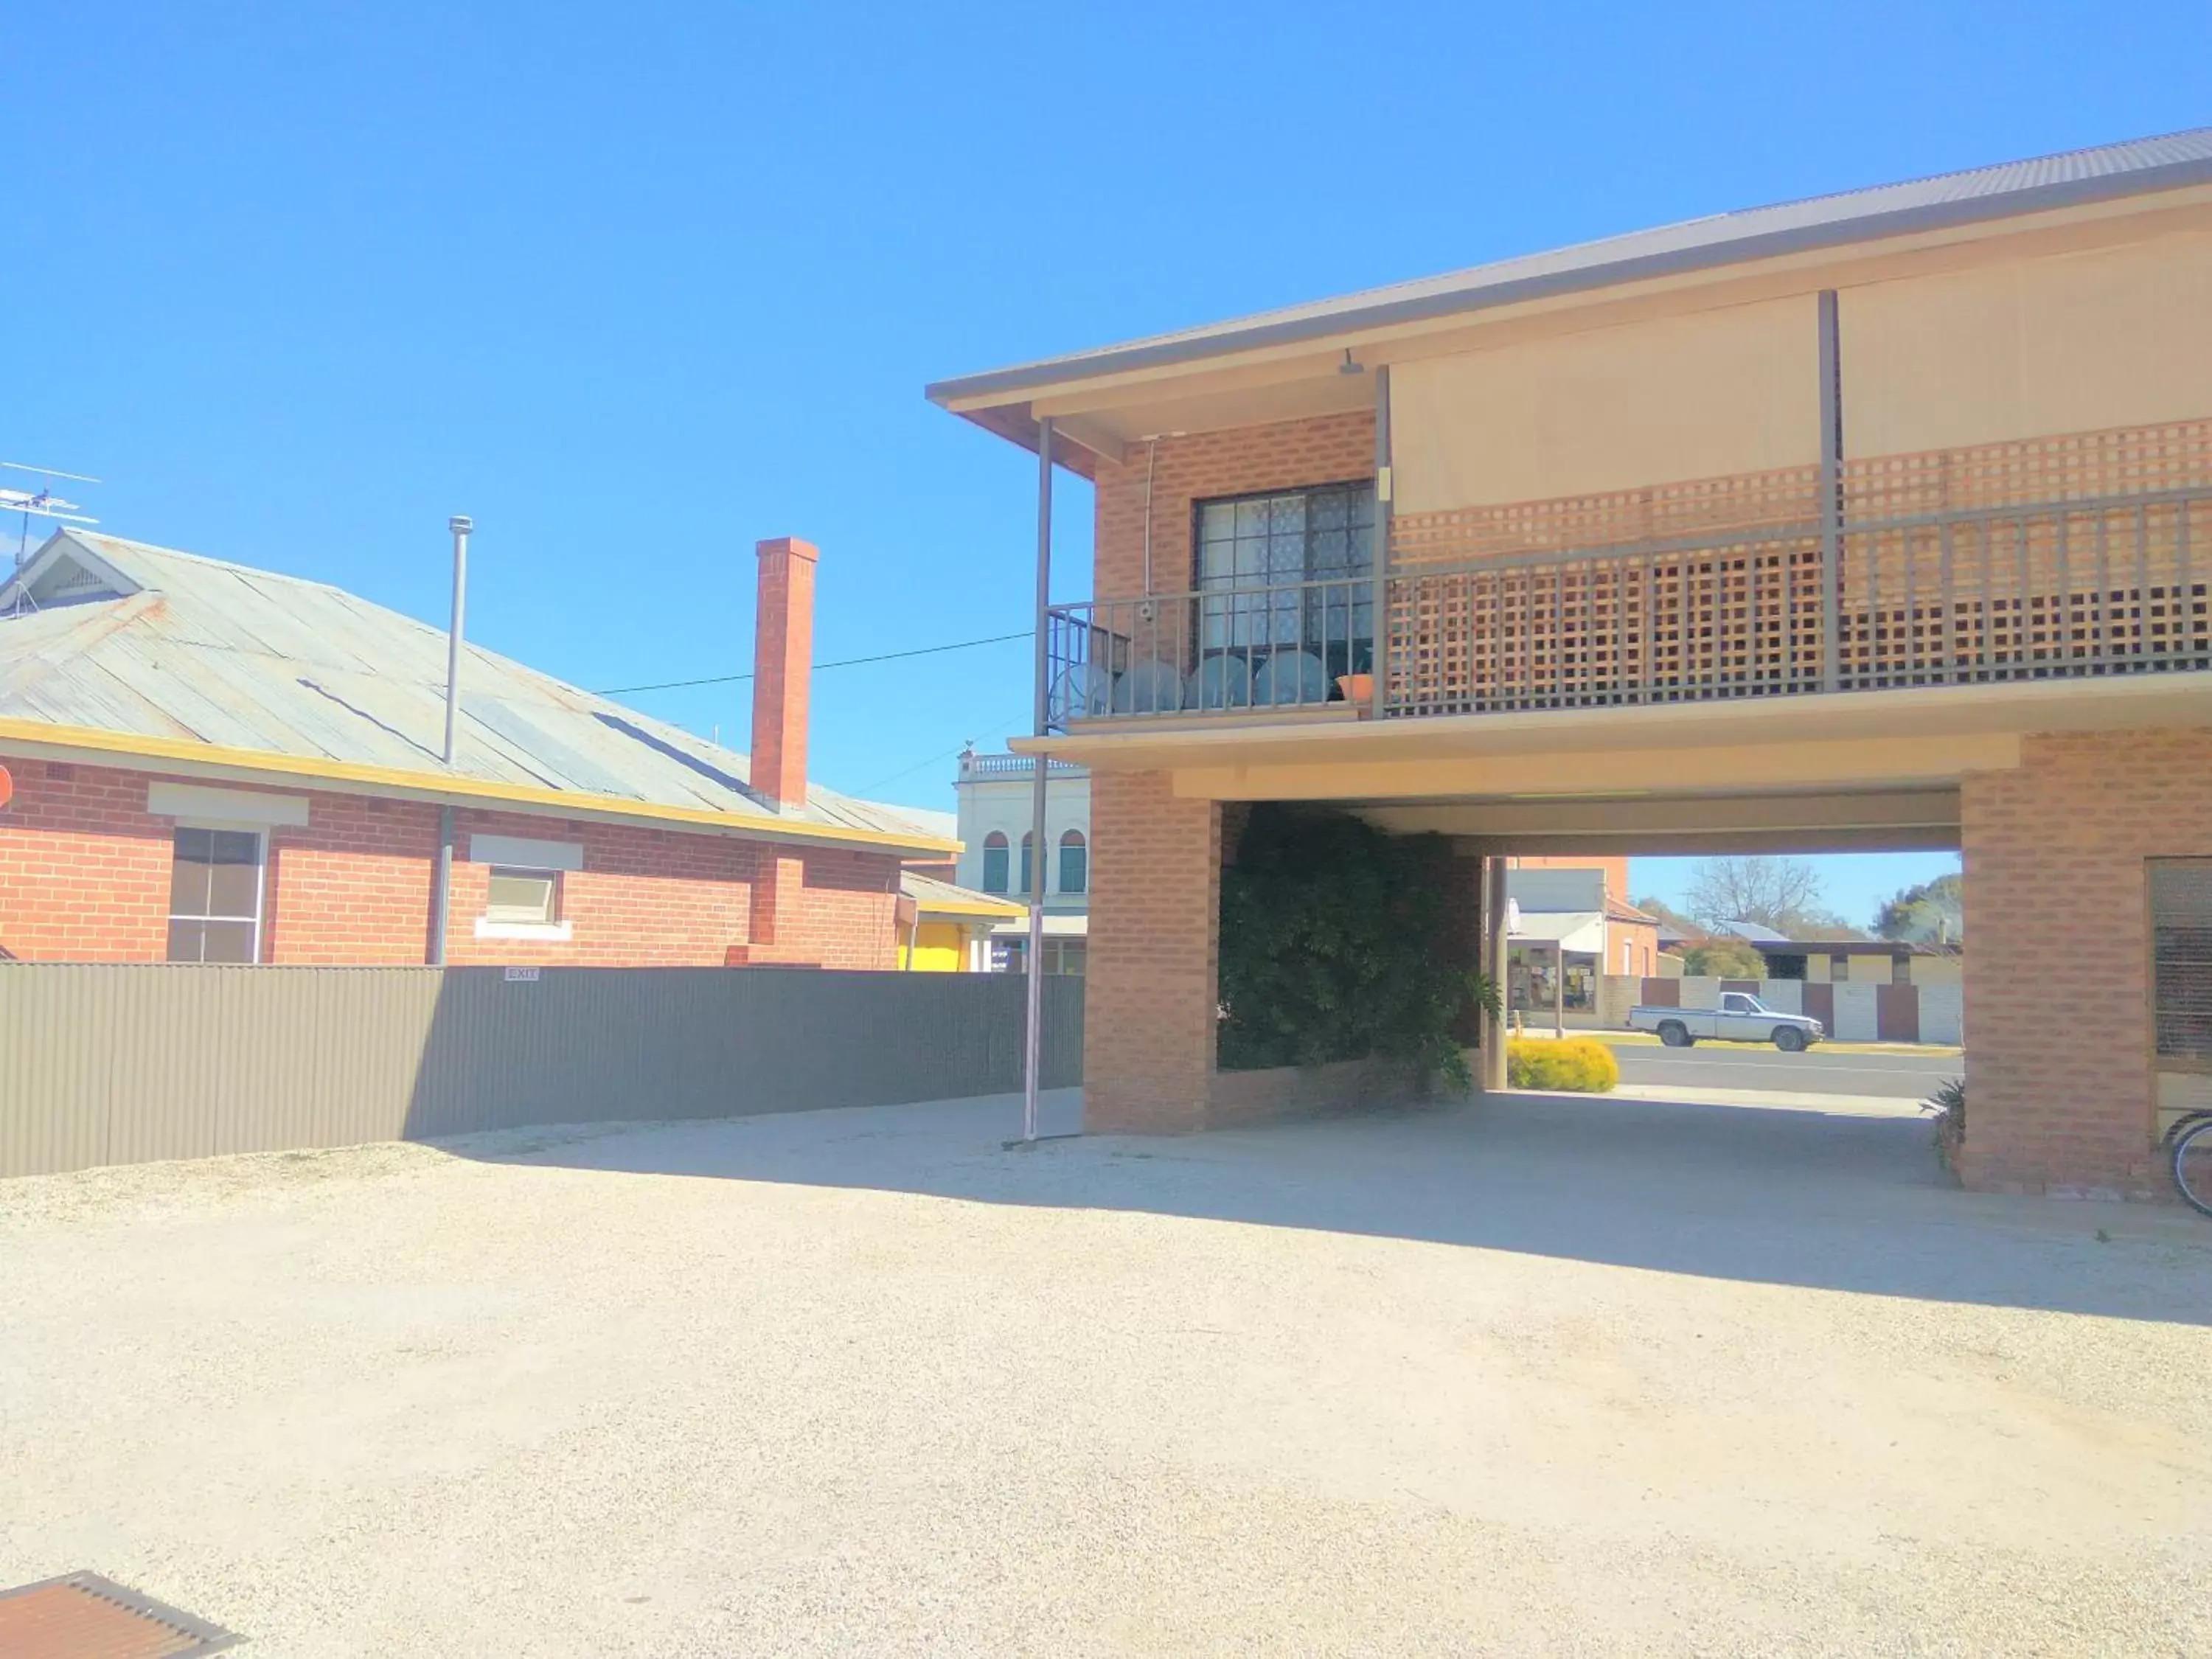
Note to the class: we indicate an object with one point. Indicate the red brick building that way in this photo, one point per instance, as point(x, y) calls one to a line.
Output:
point(217, 763)
point(1878, 521)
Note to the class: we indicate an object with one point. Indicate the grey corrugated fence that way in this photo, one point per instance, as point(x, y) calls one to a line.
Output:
point(103, 1064)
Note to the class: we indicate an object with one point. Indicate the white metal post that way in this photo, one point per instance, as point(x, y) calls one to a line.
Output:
point(460, 525)
point(1033, 1044)
point(1494, 948)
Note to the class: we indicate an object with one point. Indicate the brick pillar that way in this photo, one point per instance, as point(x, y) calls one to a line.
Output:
point(783, 653)
point(1152, 973)
point(2062, 1092)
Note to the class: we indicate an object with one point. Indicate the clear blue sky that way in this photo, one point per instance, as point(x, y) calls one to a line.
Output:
point(637, 285)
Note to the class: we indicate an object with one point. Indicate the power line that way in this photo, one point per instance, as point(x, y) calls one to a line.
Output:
point(908, 771)
point(848, 662)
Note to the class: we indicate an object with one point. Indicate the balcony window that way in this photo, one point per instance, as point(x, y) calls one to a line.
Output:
point(1074, 862)
point(995, 851)
point(1279, 543)
point(1028, 850)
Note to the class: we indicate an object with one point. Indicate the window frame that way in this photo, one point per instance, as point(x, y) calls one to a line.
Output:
point(996, 842)
point(1075, 841)
point(551, 915)
point(1232, 615)
point(259, 919)
point(2162, 1061)
point(559, 930)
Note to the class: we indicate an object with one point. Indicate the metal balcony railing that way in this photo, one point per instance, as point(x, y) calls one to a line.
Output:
point(2109, 584)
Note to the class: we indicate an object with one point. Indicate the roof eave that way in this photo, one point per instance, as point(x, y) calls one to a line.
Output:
point(1029, 381)
point(137, 751)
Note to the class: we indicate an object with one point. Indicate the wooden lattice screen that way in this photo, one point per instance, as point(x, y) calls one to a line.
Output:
point(2083, 554)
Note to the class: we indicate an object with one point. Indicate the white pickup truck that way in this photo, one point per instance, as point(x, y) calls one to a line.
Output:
point(1741, 1017)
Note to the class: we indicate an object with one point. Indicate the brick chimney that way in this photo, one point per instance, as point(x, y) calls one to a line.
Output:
point(783, 649)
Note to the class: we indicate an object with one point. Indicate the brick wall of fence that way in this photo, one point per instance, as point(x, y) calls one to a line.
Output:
point(104, 1063)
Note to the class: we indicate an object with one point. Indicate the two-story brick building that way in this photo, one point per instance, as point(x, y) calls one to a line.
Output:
point(216, 763)
point(1878, 520)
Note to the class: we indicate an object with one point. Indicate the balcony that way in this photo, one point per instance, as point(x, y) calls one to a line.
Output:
point(2074, 586)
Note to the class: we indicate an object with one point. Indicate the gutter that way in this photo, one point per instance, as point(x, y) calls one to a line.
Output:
point(132, 752)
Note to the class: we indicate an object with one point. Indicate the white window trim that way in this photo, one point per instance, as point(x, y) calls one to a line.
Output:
point(550, 932)
point(260, 872)
point(519, 853)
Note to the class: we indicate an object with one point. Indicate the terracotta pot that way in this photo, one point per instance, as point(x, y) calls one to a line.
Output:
point(1357, 688)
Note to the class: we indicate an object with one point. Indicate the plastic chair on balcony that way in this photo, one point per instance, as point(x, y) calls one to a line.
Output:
point(1218, 682)
point(1084, 692)
point(1290, 677)
point(1150, 687)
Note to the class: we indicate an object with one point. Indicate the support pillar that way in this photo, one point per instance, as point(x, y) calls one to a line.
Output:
point(1151, 985)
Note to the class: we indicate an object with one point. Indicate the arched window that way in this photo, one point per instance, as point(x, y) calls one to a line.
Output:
point(1028, 846)
point(1074, 863)
point(994, 863)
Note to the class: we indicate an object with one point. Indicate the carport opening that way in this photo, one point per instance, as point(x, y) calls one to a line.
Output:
point(1793, 978)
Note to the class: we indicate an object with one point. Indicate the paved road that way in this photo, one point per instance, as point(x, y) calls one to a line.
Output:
point(1721, 1066)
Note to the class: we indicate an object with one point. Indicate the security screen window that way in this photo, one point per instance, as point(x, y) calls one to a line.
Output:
point(2181, 963)
point(1295, 565)
point(215, 895)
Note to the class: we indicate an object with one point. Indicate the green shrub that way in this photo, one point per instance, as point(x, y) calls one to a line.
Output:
point(1333, 947)
point(1724, 958)
point(1578, 1065)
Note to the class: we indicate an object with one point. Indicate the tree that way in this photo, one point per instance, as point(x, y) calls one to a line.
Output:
point(1724, 958)
point(1933, 913)
point(1668, 915)
point(1773, 892)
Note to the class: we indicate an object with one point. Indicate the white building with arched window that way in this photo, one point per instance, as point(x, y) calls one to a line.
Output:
point(996, 829)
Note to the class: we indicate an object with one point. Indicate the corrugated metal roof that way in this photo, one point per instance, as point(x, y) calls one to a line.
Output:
point(222, 654)
point(944, 898)
point(2137, 166)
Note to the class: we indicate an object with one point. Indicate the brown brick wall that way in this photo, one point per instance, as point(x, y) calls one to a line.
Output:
point(1286, 455)
point(84, 877)
point(1152, 983)
point(2057, 974)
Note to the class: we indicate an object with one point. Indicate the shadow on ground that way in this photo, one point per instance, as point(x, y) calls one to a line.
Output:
point(1828, 1200)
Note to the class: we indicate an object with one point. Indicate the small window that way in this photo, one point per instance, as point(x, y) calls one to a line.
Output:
point(1028, 848)
point(1074, 863)
point(215, 895)
point(994, 863)
point(2181, 963)
point(1839, 968)
point(523, 896)
point(1901, 970)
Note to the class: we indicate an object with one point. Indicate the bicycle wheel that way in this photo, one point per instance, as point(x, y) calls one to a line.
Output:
point(2192, 1163)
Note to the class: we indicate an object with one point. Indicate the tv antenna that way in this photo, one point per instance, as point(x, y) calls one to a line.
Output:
point(41, 503)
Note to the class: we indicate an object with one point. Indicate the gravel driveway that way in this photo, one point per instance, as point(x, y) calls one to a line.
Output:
point(1537, 1378)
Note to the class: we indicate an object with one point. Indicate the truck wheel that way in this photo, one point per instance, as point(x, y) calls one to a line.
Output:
point(1790, 1039)
point(1674, 1034)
